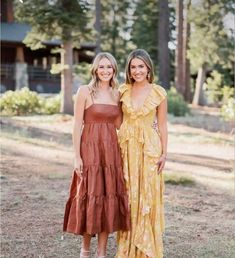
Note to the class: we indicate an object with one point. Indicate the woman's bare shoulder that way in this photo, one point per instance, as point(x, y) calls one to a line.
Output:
point(83, 90)
point(116, 94)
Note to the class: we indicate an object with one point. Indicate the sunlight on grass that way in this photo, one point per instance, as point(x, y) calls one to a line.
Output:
point(18, 136)
point(174, 179)
point(197, 138)
point(43, 118)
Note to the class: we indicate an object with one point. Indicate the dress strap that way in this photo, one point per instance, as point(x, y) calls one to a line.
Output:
point(92, 98)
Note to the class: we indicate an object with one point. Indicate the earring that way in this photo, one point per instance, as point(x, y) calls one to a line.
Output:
point(148, 76)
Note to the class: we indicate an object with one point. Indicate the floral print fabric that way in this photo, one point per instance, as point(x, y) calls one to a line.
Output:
point(141, 148)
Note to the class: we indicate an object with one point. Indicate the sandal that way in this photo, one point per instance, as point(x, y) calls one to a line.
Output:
point(84, 254)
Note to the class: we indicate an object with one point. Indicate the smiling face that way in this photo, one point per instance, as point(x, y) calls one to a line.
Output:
point(105, 70)
point(138, 70)
point(139, 67)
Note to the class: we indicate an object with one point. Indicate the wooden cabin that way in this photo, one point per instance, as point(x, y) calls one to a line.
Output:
point(21, 66)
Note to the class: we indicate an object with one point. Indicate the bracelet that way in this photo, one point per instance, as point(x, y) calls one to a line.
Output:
point(163, 156)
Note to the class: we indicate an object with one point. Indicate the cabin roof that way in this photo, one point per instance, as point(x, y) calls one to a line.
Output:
point(16, 33)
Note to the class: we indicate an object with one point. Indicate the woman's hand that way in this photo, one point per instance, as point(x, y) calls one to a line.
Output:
point(161, 163)
point(78, 166)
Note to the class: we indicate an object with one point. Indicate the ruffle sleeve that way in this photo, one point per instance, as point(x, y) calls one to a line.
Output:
point(154, 99)
point(123, 88)
point(160, 93)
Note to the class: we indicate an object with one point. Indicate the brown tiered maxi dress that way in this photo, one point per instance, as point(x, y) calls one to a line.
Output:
point(98, 200)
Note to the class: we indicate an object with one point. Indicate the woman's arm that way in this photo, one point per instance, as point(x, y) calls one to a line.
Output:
point(119, 119)
point(162, 127)
point(79, 107)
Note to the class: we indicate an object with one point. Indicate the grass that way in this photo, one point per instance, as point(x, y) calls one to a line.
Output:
point(174, 179)
point(20, 136)
point(197, 138)
point(44, 118)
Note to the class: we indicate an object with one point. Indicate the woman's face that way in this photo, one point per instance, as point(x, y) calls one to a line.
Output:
point(138, 70)
point(105, 70)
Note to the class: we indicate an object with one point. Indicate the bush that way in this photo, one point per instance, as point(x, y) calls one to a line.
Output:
point(174, 179)
point(227, 93)
point(50, 105)
point(26, 102)
point(83, 71)
point(228, 110)
point(176, 104)
point(213, 86)
point(218, 93)
point(20, 102)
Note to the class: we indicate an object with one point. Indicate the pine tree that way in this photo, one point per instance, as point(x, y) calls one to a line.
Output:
point(209, 43)
point(64, 20)
point(182, 64)
point(115, 27)
point(145, 27)
point(163, 39)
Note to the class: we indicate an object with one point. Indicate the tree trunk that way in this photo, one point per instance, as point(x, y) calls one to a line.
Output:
point(66, 78)
point(186, 66)
point(179, 52)
point(98, 25)
point(199, 98)
point(163, 39)
point(114, 30)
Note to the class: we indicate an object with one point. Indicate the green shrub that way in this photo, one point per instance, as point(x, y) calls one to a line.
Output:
point(174, 179)
point(227, 94)
point(20, 102)
point(50, 105)
point(228, 110)
point(176, 104)
point(213, 86)
point(217, 92)
point(25, 102)
point(83, 71)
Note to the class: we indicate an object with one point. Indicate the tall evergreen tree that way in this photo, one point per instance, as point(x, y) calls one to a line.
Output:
point(163, 39)
point(98, 25)
point(179, 83)
point(65, 20)
point(186, 61)
point(209, 43)
point(145, 27)
point(115, 27)
point(152, 30)
point(182, 64)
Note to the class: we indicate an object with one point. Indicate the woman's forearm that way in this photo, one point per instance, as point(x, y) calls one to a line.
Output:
point(77, 129)
point(164, 138)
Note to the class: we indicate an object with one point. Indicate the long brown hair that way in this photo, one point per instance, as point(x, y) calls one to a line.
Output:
point(144, 56)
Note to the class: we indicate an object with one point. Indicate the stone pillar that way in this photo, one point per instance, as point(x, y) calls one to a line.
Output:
point(21, 76)
point(21, 73)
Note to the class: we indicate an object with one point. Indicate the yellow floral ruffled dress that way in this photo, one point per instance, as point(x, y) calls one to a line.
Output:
point(141, 148)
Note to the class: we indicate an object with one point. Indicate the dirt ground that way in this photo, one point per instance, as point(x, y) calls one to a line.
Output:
point(35, 176)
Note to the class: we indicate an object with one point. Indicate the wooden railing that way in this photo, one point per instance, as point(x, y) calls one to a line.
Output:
point(7, 71)
point(39, 73)
point(34, 72)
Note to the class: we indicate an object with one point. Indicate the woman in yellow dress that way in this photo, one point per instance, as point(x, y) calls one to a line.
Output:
point(144, 149)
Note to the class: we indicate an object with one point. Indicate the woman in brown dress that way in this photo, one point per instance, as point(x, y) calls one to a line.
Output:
point(98, 202)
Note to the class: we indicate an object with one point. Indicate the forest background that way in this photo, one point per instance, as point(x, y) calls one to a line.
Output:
point(190, 41)
point(192, 45)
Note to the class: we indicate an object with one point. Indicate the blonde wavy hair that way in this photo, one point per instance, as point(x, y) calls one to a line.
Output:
point(144, 56)
point(94, 83)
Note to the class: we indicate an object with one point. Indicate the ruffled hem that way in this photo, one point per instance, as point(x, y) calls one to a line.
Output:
point(156, 96)
point(92, 214)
